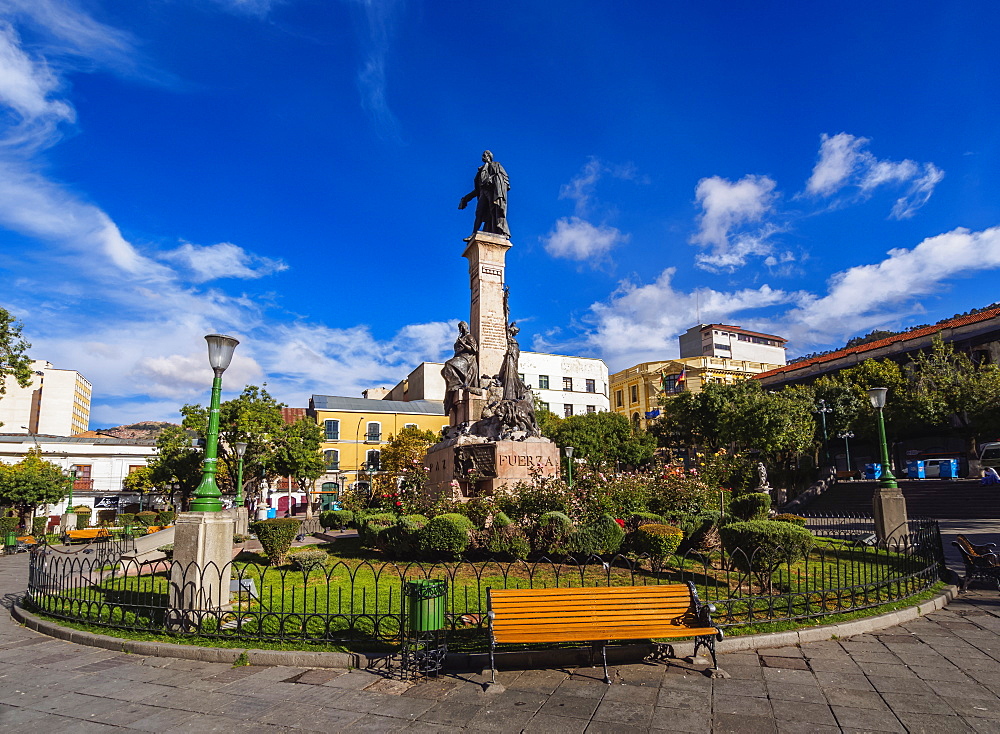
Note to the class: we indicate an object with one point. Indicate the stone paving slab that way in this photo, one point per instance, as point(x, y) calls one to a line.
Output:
point(938, 673)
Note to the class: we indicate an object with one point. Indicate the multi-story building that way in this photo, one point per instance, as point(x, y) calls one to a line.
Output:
point(355, 429)
point(732, 342)
point(564, 385)
point(56, 403)
point(99, 464)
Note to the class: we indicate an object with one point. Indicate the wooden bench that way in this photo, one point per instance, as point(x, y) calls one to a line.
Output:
point(599, 615)
point(981, 561)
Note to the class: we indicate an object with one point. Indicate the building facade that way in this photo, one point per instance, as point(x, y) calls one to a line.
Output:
point(57, 402)
point(725, 341)
point(355, 429)
point(564, 385)
point(99, 465)
point(636, 391)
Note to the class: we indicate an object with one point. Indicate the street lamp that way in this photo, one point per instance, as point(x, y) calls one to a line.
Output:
point(568, 450)
point(207, 497)
point(847, 447)
point(877, 397)
point(888, 504)
point(823, 410)
point(241, 448)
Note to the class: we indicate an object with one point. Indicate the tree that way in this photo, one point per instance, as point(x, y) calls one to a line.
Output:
point(14, 362)
point(952, 391)
point(401, 464)
point(139, 481)
point(32, 482)
point(176, 462)
point(768, 422)
point(295, 453)
point(605, 439)
point(900, 412)
point(254, 418)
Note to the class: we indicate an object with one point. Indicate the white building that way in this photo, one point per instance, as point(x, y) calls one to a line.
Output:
point(57, 402)
point(100, 463)
point(732, 342)
point(564, 385)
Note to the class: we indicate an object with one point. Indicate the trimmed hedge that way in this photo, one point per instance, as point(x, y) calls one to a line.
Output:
point(276, 536)
point(505, 539)
point(551, 534)
point(146, 518)
point(82, 519)
point(125, 519)
point(369, 529)
point(307, 560)
point(789, 517)
point(637, 519)
point(752, 506)
point(340, 519)
point(446, 535)
point(659, 541)
point(166, 517)
point(761, 546)
point(402, 540)
point(38, 526)
point(601, 538)
point(8, 524)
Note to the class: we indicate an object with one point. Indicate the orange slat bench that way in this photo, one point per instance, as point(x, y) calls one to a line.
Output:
point(598, 615)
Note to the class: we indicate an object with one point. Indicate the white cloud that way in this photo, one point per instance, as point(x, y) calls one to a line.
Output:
point(577, 239)
point(844, 161)
point(729, 222)
point(376, 26)
point(223, 260)
point(249, 7)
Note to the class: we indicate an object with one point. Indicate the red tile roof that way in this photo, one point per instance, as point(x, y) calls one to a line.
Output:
point(870, 346)
point(291, 415)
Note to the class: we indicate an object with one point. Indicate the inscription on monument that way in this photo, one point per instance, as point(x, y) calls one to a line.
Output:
point(525, 460)
point(477, 461)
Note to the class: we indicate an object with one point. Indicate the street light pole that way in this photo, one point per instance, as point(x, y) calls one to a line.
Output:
point(847, 446)
point(823, 410)
point(241, 448)
point(569, 463)
point(888, 505)
point(207, 497)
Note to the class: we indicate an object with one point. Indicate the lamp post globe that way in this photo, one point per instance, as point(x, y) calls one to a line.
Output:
point(207, 497)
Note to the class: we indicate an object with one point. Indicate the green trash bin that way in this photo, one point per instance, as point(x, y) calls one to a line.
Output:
point(425, 604)
point(10, 538)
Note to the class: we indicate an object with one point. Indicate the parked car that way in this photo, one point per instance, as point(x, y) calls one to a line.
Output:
point(990, 455)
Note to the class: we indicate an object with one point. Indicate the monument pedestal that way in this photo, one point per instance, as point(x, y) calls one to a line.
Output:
point(486, 254)
point(472, 466)
point(242, 521)
point(889, 509)
point(202, 568)
point(67, 522)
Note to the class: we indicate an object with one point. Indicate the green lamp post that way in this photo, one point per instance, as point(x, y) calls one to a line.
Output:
point(207, 497)
point(877, 397)
point(241, 448)
point(568, 450)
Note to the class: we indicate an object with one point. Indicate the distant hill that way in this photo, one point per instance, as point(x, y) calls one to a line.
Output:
point(144, 430)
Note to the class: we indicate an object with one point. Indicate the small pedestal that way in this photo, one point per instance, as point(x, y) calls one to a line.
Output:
point(889, 508)
point(67, 522)
point(242, 521)
point(202, 568)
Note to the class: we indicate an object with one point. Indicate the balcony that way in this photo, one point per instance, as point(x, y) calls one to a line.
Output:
point(83, 484)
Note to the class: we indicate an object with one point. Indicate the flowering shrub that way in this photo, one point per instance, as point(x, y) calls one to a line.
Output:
point(659, 541)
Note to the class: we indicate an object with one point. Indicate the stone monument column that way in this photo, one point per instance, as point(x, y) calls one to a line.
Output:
point(486, 253)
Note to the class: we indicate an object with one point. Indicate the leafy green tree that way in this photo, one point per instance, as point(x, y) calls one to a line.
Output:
point(140, 481)
point(402, 474)
point(14, 361)
point(296, 453)
point(605, 439)
point(31, 483)
point(176, 461)
point(254, 417)
point(546, 419)
point(900, 412)
point(768, 422)
point(952, 391)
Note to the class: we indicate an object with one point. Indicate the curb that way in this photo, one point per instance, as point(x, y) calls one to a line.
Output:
point(479, 661)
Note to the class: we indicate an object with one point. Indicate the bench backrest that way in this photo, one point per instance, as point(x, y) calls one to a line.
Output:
point(555, 615)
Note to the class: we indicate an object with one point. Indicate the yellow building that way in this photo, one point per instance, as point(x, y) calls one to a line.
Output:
point(636, 391)
point(355, 429)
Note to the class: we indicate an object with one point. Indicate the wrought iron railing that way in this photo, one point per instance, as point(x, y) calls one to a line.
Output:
point(359, 601)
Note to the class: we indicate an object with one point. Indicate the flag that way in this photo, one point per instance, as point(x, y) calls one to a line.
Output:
point(682, 376)
point(653, 413)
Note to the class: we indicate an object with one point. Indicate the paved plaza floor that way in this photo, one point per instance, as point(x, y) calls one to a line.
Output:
point(939, 673)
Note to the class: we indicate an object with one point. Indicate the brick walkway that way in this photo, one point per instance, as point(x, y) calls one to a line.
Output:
point(936, 674)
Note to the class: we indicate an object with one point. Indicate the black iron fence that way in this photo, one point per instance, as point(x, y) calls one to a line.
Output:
point(360, 602)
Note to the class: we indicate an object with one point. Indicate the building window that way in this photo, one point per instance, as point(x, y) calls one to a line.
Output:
point(633, 393)
point(670, 384)
point(722, 346)
point(568, 384)
point(410, 425)
point(591, 408)
point(82, 478)
point(374, 432)
point(331, 430)
point(567, 410)
point(132, 468)
point(543, 406)
point(332, 459)
point(619, 398)
point(635, 420)
point(591, 386)
point(373, 459)
point(543, 382)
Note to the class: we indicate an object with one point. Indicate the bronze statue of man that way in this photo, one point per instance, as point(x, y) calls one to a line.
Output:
point(490, 188)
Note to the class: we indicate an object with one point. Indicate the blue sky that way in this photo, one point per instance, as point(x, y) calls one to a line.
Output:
point(288, 171)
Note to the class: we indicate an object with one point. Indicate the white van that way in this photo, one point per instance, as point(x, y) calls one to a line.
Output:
point(990, 455)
